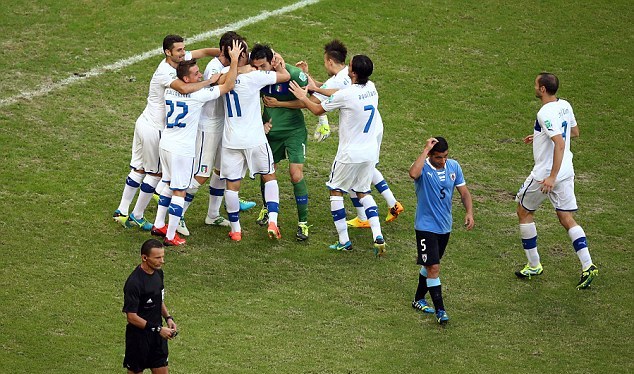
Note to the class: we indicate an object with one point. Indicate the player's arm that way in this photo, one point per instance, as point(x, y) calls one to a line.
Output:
point(325, 91)
point(272, 102)
point(167, 317)
point(206, 52)
point(417, 167)
point(465, 197)
point(230, 80)
point(558, 156)
point(574, 132)
point(301, 94)
point(185, 88)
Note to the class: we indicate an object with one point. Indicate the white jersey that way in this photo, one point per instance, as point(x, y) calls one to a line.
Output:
point(243, 112)
point(359, 122)
point(212, 118)
point(553, 118)
point(338, 81)
point(163, 77)
point(183, 115)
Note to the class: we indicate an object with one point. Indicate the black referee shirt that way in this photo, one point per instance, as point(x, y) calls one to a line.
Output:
point(143, 295)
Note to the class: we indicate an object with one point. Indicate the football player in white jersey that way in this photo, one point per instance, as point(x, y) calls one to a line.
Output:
point(208, 142)
point(244, 145)
point(552, 177)
point(335, 53)
point(145, 168)
point(360, 126)
point(178, 141)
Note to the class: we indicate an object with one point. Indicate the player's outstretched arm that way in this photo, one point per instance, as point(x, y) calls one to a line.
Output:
point(186, 88)
point(417, 167)
point(206, 52)
point(465, 197)
point(272, 102)
point(300, 93)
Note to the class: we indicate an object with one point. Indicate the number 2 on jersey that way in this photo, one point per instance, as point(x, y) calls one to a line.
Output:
point(367, 125)
point(184, 110)
point(236, 104)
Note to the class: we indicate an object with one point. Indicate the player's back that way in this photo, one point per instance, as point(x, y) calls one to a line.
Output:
point(212, 117)
point(553, 118)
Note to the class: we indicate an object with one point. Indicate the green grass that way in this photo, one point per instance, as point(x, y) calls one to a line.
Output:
point(459, 69)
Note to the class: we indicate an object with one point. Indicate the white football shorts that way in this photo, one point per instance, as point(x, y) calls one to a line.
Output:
point(177, 170)
point(235, 162)
point(208, 150)
point(351, 177)
point(145, 147)
point(562, 196)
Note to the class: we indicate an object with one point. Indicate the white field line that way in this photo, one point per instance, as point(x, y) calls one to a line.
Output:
point(46, 88)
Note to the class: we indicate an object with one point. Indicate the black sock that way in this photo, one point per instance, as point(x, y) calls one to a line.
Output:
point(421, 291)
point(262, 191)
point(436, 297)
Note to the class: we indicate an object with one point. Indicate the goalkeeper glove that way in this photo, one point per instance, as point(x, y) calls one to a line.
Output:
point(322, 132)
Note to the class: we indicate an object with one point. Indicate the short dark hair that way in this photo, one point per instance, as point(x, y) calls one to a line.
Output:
point(439, 147)
point(363, 67)
point(226, 42)
point(549, 81)
point(336, 50)
point(260, 51)
point(183, 67)
point(148, 245)
point(168, 42)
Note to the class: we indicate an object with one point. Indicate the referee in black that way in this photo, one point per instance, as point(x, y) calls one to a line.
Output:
point(145, 337)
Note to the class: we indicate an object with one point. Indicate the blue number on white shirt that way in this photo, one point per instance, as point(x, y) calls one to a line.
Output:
point(177, 123)
point(564, 124)
point(236, 103)
point(367, 125)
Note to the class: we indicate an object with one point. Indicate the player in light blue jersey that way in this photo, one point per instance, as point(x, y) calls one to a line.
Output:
point(435, 177)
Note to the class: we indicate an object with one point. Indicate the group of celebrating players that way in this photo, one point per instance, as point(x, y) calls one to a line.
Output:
point(211, 126)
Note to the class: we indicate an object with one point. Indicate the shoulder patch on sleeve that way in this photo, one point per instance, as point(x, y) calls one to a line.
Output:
point(548, 125)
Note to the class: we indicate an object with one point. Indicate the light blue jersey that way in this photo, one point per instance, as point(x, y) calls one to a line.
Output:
point(434, 191)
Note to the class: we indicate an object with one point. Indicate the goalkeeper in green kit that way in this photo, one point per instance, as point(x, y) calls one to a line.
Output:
point(286, 133)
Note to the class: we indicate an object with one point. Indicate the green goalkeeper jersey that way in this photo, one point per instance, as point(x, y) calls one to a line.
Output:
point(284, 119)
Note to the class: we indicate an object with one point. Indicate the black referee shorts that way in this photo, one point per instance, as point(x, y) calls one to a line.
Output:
point(144, 350)
point(431, 247)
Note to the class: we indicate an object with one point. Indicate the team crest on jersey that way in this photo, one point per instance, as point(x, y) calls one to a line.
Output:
point(204, 169)
point(452, 176)
point(548, 125)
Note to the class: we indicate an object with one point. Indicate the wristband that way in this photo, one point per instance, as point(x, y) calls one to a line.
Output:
point(152, 327)
point(168, 318)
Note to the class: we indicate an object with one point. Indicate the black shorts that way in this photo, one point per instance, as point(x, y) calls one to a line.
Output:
point(431, 247)
point(144, 350)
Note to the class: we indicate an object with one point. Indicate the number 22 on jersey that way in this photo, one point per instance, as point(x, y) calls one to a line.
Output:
point(181, 108)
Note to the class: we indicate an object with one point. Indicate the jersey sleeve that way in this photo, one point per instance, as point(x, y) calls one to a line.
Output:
point(165, 78)
point(297, 75)
point(264, 78)
point(131, 296)
point(573, 120)
point(335, 101)
point(548, 123)
point(207, 94)
point(459, 176)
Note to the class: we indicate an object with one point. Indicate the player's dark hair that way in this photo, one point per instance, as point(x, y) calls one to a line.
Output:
point(439, 147)
point(168, 42)
point(260, 51)
point(226, 42)
point(183, 67)
point(363, 67)
point(335, 50)
point(146, 247)
point(549, 81)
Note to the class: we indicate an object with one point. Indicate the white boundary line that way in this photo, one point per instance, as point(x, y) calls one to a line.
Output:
point(46, 88)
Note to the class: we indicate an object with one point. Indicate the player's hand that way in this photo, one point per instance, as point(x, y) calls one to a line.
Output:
point(302, 65)
point(547, 184)
point(298, 91)
point(166, 333)
point(311, 86)
point(277, 61)
point(528, 139)
point(468, 221)
point(270, 102)
point(235, 50)
point(431, 142)
point(322, 132)
point(171, 324)
point(267, 126)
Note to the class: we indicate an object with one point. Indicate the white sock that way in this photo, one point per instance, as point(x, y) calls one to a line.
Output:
point(381, 185)
point(528, 232)
point(358, 206)
point(339, 217)
point(272, 197)
point(191, 192)
point(372, 212)
point(148, 187)
point(161, 211)
point(132, 184)
point(216, 192)
point(176, 211)
point(580, 244)
point(232, 201)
